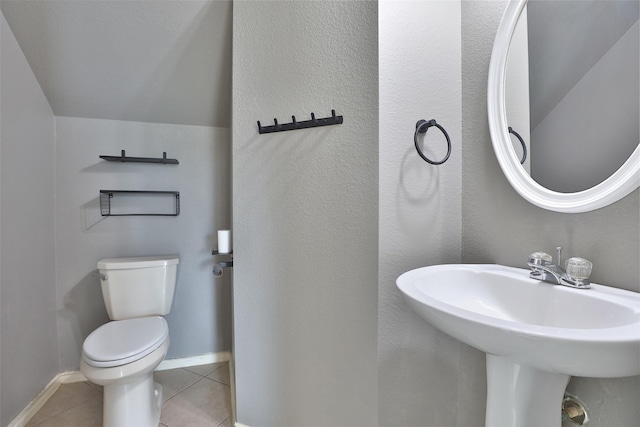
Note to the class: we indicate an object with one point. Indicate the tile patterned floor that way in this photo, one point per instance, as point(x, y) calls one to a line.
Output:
point(198, 396)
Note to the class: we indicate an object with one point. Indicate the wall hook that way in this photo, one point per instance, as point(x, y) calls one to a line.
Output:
point(314, 122)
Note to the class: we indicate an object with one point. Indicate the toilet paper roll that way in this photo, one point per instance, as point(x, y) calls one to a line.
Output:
point(224, 241)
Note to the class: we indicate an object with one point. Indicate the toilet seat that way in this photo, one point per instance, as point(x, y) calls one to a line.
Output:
point(124, 341)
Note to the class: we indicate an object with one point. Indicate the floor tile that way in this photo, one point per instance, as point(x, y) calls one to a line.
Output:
point(205, 370)
point(191, 400)
point(86, 414)
point(66, 397)
point(226, 423)
point(206, 403)
point(174, 381)
point(221, 375)
point(96, 386)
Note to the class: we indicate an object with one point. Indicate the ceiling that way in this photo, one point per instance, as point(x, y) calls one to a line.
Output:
point(137, 60)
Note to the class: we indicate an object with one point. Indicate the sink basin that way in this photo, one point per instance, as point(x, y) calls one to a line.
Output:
point(500, 310)
point(536, 335)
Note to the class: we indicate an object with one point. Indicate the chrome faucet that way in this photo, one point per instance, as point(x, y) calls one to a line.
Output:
point(576, 274)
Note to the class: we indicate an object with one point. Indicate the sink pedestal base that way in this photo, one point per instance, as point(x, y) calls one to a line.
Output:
point(521, 396)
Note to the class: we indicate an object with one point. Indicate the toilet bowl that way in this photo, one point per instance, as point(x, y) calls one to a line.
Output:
point(121, 356)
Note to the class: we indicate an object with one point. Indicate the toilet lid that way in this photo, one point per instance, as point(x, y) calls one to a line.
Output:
point(124, 341)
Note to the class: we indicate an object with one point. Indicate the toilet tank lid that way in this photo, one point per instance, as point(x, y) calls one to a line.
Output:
point(138, 262)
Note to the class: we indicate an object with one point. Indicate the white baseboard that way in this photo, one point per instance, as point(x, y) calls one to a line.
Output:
point(203, 359)
point(71, 377)
point(240, 425)
point(34, 406)
point(76, 376)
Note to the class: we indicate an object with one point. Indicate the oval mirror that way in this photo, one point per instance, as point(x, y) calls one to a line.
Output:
point(564, 77)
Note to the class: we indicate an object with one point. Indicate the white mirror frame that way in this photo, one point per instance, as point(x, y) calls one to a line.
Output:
point(621, 183)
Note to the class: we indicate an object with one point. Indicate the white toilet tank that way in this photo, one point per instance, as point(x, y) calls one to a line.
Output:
point(138, 286)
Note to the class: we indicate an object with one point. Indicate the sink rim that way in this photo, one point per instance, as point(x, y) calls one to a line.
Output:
point(630, 300)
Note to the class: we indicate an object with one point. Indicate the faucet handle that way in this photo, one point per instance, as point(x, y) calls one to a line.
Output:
point(539, 258)
point(578, 268)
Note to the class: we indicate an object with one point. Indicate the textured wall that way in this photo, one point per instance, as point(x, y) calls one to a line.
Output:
point(420, 205)
point(201, 315)
point(498, 226)
point(27, 283)
point(305, 206)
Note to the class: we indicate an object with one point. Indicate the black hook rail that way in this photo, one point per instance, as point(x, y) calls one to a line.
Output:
point(524, 146)
point(421, 127)
point(314, 122)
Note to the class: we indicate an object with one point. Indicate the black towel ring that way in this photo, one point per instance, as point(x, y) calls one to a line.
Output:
point(524, 146)
point(421, 127)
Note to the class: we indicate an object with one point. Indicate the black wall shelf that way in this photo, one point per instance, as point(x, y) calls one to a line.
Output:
point(106, 197)
point(123, 158)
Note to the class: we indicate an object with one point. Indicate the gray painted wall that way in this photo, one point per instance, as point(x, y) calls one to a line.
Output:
point(201, 315)
point(28, 342)
point(420, 206)
point(46, 284)
point(305, 206)
point(1, 26)
point(310, 304)
point(498, 226)
point(463, 211)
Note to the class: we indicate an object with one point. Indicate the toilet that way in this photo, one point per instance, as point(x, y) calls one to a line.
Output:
point(122, 354)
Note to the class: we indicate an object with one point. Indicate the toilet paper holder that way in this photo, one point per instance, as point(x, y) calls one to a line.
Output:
point(218, 268)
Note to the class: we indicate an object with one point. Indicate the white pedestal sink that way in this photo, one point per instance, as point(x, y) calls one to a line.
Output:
point(536, 335)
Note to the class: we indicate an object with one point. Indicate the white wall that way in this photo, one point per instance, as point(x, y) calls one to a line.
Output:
point(27, 281)
point(305, 206)
point(201, 316)
point(420, 206)
point(498, 226)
